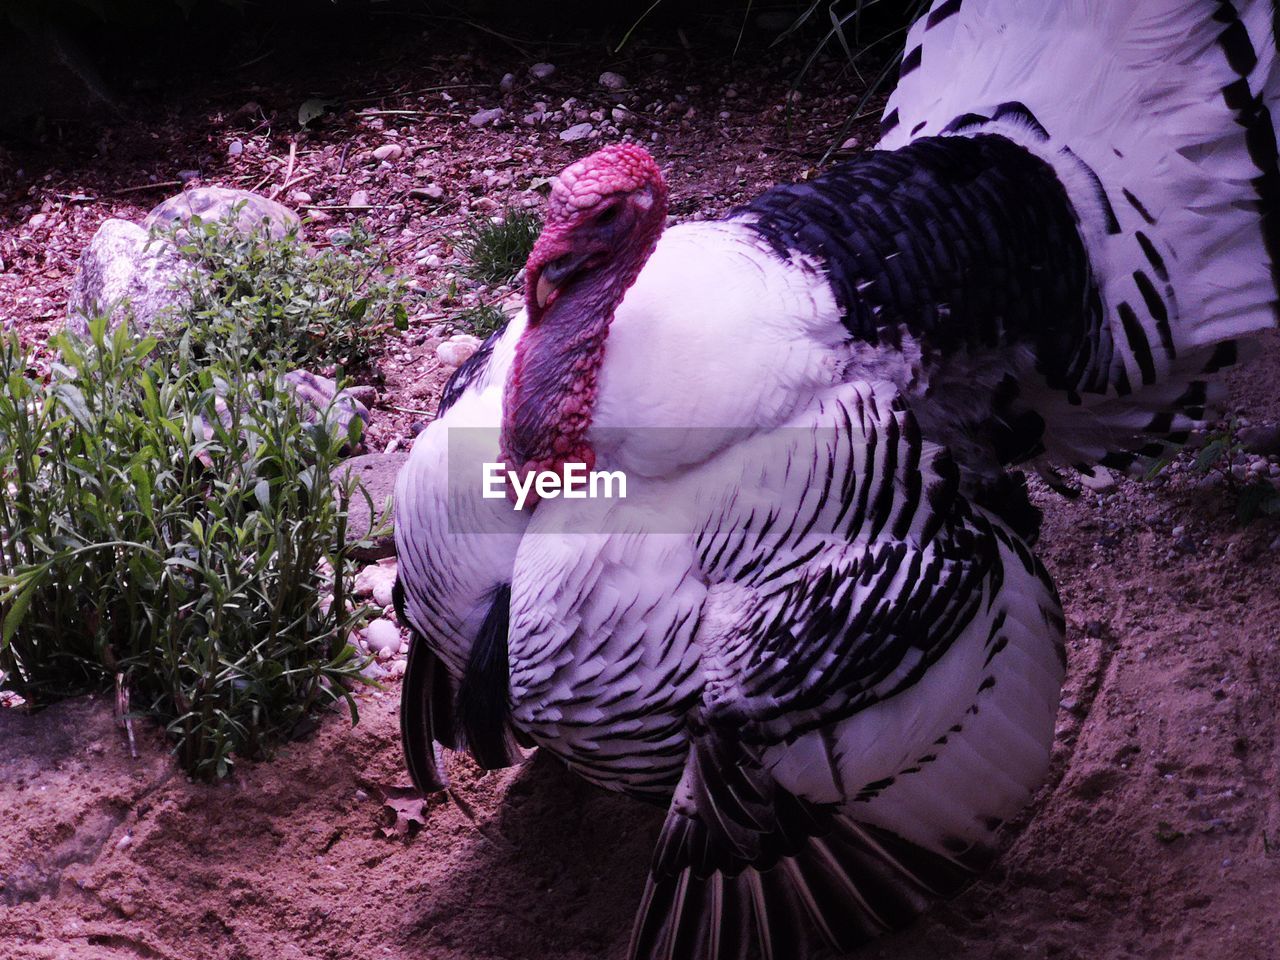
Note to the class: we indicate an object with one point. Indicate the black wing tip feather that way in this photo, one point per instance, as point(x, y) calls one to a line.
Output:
point(416, 733)
point(484, 704)
point(836, 891)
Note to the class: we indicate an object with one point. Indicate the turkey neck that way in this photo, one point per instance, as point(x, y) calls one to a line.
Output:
point(551, 391)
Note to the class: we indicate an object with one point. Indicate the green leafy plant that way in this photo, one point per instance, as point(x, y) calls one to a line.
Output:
point(168, 526)
point(283, 300)
point(1254, 497)
point(496, 251)
point(483, 320)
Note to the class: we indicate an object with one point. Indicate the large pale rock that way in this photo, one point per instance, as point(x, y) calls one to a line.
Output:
point(216, 203)
point(375, 473)
point(124, 272)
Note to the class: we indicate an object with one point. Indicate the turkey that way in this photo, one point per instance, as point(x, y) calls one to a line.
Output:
point(810, 628)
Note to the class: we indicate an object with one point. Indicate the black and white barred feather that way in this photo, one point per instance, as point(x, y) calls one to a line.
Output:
point(846, 674)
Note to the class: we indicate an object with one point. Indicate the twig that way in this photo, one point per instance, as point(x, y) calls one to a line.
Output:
point(411, 93)
point(162, 185)
point(411, 113)
point(301, 178)
point(348, 206)
point(261, 183)
point(288, 170)
point(420, 413)
point(122, 710)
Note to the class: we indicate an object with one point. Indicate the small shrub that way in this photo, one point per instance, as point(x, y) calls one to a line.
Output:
point(1254, 496)
point(171, 527)
point(285, 301)
point(497, 251)
point(482, 320)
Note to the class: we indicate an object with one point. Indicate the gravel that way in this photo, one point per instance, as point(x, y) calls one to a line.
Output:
point(487, 118)
point(579, 131)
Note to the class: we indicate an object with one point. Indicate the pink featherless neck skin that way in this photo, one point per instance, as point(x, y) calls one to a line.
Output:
point(604, 217)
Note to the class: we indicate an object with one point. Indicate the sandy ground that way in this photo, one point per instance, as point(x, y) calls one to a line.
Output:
point(1157, 835)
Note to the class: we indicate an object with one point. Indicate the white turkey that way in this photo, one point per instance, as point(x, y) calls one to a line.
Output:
point(797, 629)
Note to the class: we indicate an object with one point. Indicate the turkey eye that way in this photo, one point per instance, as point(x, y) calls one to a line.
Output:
point(607, 216)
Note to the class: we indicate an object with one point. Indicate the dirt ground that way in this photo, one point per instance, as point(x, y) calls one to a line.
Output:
point(1157, 835)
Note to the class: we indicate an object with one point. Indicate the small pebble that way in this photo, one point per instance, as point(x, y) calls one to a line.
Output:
point(382, 636)
point(37, 221)
point(579, 131)
point(389, 152)
point(235, 149)
point(613, 81)
point(359, 199)
point(457, 349)
point(541, 71)
point(486, 117)
point(507, 83)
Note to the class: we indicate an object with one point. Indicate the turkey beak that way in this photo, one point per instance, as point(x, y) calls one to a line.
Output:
point(544, 290)
point(553, 276)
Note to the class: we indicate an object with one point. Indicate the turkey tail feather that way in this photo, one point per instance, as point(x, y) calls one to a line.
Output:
point(420, 696)
point(837, 891)
point(1165, 140)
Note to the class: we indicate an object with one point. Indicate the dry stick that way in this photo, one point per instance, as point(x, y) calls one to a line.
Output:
point(259, 185)
point(411, 93)
point(348, 206)
point(411, 113)
point(301, 178)
point(420, 413)
point(288, 170)
point(163, 184)
point(122, 711)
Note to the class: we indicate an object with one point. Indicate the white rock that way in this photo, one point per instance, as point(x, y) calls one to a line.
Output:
point(541, 71)
point(579, 131)
point(485, 117)
point(389, 152)
point(613, 81)
point(37, 221)
point(1101, 481)
point(359, 199)
point(507, 83)
point(455, 351)
point(382, 637)
point(377, 581)
point(235, 148)
point(397, 668)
